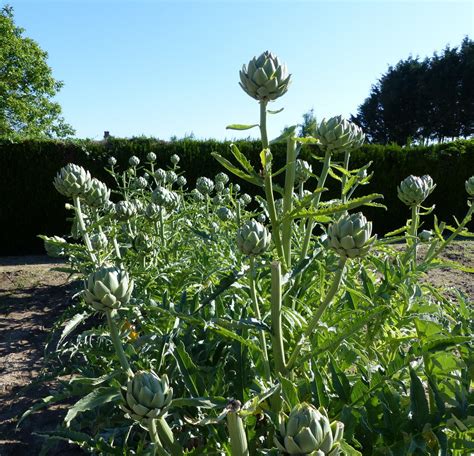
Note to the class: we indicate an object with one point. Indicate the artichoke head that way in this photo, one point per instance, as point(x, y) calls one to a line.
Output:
point(350, 237)
point(147, 396)
point(265, 78)
point(253, 238)
point(72, 180)
point(204, 185)
point(165, 198)
point(303, 171)
point(308, 431)
point(469, 184)
point(125, 210)
point(338, 134)
point(98, 194)
point(108, 288)
point(413, 190)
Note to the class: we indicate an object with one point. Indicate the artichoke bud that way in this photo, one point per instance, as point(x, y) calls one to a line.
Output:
point(152, 211)
point(139, 183)
point(338, 134)
point(99, 241)
point(147, 396)
point(108, 288)
point(125, 210)
point(224, 213)
point(221, 177)
point(245, 199)
point(253, 238)
point(303, 171)
point(413, 190)
point(133, 160)
point(165, 198)
point(219, 187)
point(307, 431)
point(425, 235)
point(171, 177)
point(204, 185)
point(160, 176)
point(98, 194)
point(142, 243)
point(197, 195)
point(175, 159)
point(469, 184)
point(265, 78)
point(350, 237)
point(151, 157)
point(181, 181)
point(54, 246)
point(72, 180)
point(112, 161)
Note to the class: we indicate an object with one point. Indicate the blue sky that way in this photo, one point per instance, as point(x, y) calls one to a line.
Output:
point(164, 68)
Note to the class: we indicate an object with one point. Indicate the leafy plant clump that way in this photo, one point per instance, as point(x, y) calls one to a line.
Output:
point(214, 323)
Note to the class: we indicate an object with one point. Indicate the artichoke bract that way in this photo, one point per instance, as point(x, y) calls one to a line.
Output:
point(108, 288)
point(265, 78)
point(307, 431)
point(338, 133)
point(350, 237)
point(147, 396)
point(72, 180)
point(303, 171)
point(98, 194)
point(469, 184)
point(253, 238)
point(413, 190)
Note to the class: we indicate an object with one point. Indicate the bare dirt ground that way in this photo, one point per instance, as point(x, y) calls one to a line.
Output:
point(32, 296)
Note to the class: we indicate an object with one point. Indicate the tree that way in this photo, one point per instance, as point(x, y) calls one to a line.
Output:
point(26, 86)
point(424, 100)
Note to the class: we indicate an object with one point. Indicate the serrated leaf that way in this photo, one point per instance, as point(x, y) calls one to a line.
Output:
point(241, 126)
point(418, 402)
point(242, 159)
point(94, 399)
point(255, 179)
point(71, 325)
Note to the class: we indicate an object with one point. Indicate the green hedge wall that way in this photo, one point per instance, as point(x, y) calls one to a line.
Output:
point(30, 205)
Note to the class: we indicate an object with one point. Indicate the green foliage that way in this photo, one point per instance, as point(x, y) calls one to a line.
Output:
point(26, 86)
point(424, 100)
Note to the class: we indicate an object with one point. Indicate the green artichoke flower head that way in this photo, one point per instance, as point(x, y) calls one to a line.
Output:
point(54, 246)
point(181, 181)
point(224, 213)
point(308, 431)
point(204, 185)
point(99, 241)
point(337, 133)
point(197, 195)
point(469, 184)
point(425, 235)
point(125, 210)
point(72, 180)
point(350, 237)
point(222, 178)
point(151, 157)
point(413, 190)
point(253, 238)
point(175, 159)
point(152, 211)
point(98, 194)
point(133, 160)
point(147, 396)
point(108, 288)
point(265, 78)
point(165, 198)
point(160, 176)
point(303, 171)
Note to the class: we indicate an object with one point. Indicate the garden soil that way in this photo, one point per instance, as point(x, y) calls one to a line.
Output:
point(32, 295)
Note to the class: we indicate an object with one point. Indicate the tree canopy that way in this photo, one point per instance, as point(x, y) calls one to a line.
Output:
point(27, 86)
point(429, 100)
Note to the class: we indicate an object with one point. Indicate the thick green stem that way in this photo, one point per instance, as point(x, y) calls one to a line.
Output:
point(82, 228)
point(317, 197)
point(268, 185)
point(319, 312)
point(277, 331)
point(287, 223)
point(114, 334)
point(155, 438)
point(238, 438)
point(256, 310)
point(237, 213)
point(162, 229)
point(414, 231)
point(347, 156)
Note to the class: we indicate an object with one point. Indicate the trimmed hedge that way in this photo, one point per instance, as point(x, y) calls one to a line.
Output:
point(30, 205)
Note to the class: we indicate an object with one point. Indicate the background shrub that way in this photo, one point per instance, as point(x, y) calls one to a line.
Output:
point(30, 205)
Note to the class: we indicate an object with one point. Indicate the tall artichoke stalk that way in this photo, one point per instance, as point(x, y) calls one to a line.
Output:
point(235, 425)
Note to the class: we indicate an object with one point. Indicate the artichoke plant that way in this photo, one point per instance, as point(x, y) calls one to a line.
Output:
point(413, 190)
point(253, 238)
point(98, 194)
point(307, 431)
point(147, 396)
point(469, 184)
point(350, 237)
point(72, 180)
point(338, 133)
point(108, 288)
point(265, 78)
